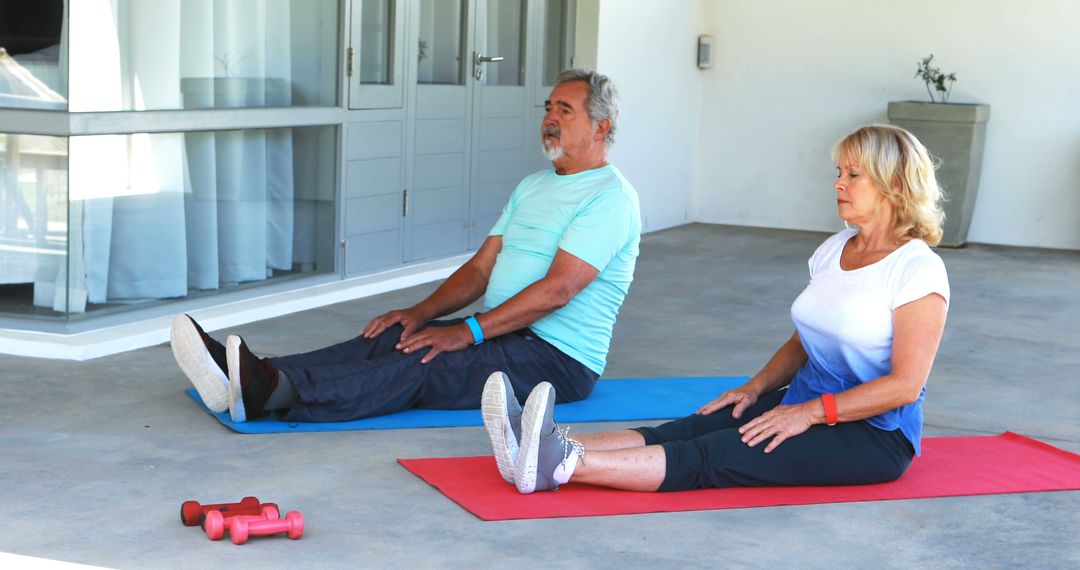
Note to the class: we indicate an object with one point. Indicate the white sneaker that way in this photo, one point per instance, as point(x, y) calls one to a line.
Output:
point(191, 347)
point(502, 419)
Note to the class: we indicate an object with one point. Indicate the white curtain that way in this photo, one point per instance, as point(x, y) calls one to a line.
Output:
point(156, 214)
point(239, 198)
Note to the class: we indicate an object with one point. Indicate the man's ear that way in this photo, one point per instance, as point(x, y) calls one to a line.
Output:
point(602, 128)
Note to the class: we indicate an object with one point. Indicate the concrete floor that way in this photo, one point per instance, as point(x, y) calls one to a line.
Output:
point(97, 456)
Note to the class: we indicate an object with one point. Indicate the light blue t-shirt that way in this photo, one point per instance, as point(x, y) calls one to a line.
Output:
point(592, 215)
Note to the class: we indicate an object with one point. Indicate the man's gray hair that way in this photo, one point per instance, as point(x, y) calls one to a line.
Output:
point(602, 102)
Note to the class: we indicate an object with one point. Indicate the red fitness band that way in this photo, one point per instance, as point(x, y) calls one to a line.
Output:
point(829, 401)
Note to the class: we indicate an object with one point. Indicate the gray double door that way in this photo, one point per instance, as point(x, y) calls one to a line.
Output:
point(448, 97)
point(443, 129)
point(469, 119)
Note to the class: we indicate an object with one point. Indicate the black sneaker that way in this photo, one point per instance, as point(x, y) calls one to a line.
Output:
point(203, 361)
point(251, 381)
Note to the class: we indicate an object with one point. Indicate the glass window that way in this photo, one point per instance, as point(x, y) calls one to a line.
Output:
point(147, 217)
point(30, 55)
point(559, 21)
point(376, 41)
point(439, 47)
point(505, 38)
point(144, 55)
point(33, 222)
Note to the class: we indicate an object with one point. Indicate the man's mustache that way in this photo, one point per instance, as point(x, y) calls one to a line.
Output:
point(552, 131)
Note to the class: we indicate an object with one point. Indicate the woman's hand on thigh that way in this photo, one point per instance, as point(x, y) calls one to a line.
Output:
point(779, 423)
point(740, 397)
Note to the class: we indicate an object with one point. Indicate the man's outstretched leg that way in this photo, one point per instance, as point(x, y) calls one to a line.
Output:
point(205, 363)
point(355, 388)
point(256, 387)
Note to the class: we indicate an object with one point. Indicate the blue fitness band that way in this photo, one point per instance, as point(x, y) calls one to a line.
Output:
point(477, 332)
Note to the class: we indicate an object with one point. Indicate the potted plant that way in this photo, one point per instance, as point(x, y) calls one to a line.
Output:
point(955, 133)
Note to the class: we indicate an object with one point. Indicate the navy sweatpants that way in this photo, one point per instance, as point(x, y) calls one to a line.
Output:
point(360, 378)
point(707, 451)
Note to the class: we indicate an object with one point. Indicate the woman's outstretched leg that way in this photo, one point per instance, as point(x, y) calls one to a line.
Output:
point(502, 415)
point(611, 440)
point(631, 469)
point(547, 457)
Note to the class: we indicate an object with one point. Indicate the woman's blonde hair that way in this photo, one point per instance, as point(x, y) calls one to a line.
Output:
point(903, 171)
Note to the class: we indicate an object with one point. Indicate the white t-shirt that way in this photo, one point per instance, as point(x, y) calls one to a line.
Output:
point(844, 320)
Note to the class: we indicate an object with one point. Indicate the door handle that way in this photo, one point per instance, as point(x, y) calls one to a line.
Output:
point(478, 58)
point(481, 58)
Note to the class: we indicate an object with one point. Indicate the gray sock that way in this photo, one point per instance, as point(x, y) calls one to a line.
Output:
point(283, 395)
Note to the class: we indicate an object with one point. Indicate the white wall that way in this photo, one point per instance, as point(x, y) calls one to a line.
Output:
point(792, 77)
point(656, 147)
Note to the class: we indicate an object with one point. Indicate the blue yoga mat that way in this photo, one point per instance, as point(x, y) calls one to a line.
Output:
point(617, 399)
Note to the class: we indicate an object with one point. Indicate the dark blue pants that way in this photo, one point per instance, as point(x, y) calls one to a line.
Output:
point(360, 378)
point(707, 451)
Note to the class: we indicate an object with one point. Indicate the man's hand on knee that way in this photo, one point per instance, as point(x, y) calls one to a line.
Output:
point(440, 339)
point(410, 319)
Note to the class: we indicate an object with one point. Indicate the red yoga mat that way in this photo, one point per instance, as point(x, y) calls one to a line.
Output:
point(948, 467)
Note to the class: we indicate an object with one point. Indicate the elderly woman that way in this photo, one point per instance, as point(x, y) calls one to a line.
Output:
point(867, 328)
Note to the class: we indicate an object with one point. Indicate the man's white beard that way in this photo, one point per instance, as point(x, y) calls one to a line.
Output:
point(552, 152)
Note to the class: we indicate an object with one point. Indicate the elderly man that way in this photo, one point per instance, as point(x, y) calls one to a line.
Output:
point(553, 272)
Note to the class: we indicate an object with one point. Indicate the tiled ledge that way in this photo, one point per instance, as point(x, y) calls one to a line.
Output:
point(151, 331)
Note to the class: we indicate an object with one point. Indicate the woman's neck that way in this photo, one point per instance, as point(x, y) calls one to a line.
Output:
point(876, 237)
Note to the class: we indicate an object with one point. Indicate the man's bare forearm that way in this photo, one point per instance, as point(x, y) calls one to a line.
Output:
point(465, 285)
point(566, 277)
point(528, 306)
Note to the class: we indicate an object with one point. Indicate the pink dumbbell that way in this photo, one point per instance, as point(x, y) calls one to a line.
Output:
point(191, 512)
point(216, 523)
point(293, 523)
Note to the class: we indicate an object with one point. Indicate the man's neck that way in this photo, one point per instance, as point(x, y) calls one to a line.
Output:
point(579, 166)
